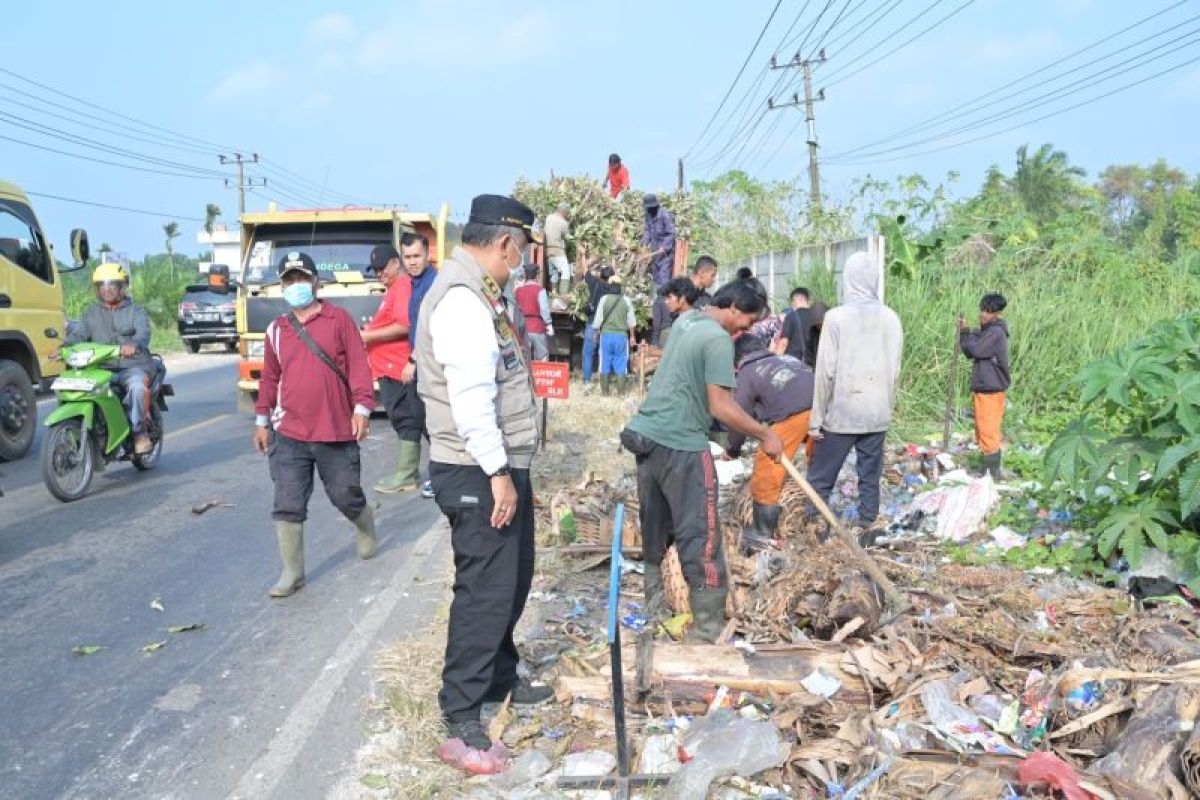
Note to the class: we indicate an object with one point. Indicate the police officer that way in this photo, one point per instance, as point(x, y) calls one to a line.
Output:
point(482, 420)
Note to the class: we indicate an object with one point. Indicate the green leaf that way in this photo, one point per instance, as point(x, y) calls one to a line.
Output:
point(153, 646)
point(374, 780)
point(1099, 376)
point(1189, 489)
point(1074, 454)
point(1173, 455)
point(1129, 527)
point(195, 626)
point(87, 649)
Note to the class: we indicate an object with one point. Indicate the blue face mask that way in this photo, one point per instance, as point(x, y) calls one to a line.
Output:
point(298, 295)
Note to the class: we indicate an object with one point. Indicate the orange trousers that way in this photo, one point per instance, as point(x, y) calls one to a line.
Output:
point(989, 414)
point(766, 482)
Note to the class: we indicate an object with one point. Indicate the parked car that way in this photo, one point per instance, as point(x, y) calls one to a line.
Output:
point(208, 313)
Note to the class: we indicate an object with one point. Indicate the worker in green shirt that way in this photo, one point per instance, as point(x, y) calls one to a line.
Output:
point(677, 481)
point(614, 328)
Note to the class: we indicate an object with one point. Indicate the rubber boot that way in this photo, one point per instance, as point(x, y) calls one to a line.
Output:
point(655, 596)
point(992, 463)
point(365, 539)
point(408, 464)
point(624, 381)
point(291, 553)
point(708, 614)
point(760, 533)
point(605, 385)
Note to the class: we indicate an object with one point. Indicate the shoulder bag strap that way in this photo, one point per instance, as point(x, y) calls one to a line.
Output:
point(304, 336)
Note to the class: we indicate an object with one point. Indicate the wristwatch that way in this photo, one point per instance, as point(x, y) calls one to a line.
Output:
point(503, 472)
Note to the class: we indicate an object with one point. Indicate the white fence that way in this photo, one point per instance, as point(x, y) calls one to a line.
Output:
point(781, 269)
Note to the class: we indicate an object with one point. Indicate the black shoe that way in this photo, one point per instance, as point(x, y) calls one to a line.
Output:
point(472, 734)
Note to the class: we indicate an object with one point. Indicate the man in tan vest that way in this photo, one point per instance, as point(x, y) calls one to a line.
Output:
point(482, 420)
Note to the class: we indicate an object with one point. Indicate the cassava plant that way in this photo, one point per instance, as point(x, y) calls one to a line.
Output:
point(1137, 444)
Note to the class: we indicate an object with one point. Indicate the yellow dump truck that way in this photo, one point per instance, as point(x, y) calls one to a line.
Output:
point(339, 241)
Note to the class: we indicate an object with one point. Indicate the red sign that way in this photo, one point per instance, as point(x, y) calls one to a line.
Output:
point(551, 379)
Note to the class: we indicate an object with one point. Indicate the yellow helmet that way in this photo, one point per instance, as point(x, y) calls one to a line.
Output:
point(109, 272)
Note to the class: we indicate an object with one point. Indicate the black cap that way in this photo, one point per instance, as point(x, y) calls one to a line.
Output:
point(650, 201)
point(381, 255)
point(295, 261)
point(496, 209)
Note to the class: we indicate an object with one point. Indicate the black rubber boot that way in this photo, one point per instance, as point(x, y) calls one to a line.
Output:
point(655, 595)
point(758, 535)
point(708, 614)
point(992, 464)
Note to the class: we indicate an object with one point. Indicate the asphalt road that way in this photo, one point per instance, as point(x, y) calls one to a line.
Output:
point(266, 700)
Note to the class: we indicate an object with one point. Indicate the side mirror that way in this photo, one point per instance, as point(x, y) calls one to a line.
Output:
point(80, 251)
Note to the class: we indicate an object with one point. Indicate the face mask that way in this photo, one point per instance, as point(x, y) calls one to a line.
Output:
point(298, 295)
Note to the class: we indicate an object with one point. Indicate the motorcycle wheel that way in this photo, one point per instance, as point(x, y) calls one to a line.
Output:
point(67, 468)
point(150, 460)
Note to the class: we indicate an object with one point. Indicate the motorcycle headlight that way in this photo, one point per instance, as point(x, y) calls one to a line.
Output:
point(73, 385)
point(80, 358)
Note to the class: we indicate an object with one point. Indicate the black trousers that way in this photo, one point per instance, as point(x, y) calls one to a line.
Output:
point(493, 570)
point(830, 453)
point(404, 407)
point(337, 463)
point(677, 503)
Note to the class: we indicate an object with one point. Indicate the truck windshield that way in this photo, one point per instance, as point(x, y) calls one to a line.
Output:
point(331, 257)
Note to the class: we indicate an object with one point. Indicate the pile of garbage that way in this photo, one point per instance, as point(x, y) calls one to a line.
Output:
point(996, 682)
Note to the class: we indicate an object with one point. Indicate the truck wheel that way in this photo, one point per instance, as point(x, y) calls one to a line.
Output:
point(193, 345)
point(18, 411)
point(231, 347)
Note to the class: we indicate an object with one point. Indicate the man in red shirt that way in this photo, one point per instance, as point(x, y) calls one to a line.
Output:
point(534, 305)
point(315, 392)
point(389, 350)
point(617, 179)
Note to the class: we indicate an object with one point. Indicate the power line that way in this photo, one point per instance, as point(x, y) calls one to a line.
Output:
point(112, 207)
point(973, 105)
point(1155, 53)
point(878, 19)
point(737, 77)
point(1023, 123)
point(816, 45)
point(104, 161)
point(836, 80)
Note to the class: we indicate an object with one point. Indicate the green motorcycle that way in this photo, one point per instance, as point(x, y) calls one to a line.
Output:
point(89, 428)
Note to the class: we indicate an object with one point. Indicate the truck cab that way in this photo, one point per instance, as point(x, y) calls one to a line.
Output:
point(32, 322)
point(339, 241)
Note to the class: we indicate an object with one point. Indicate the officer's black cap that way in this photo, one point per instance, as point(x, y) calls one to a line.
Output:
point(295, 261)
point(381, 255)
point(496, 209)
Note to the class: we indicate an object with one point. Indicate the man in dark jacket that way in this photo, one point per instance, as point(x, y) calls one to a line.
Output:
point(659, 239)
point(596, 279)
point(990, 376)
point(776, 390)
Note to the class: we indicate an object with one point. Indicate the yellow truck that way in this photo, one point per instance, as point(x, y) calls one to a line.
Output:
point(339, 241)
point(32, 322)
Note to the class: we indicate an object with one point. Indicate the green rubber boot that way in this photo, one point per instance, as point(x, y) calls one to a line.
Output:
point(365, 539)
point(408, 464)
point(655, 597)
point(291, 553)
point(708, 614)
point(605, 385)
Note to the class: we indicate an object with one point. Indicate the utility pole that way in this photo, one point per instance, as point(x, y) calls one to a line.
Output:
point(806, 65)
point(679, 184)
point(243, 183)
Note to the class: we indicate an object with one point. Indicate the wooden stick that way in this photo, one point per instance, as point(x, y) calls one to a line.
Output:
point(899, 603)
point(951, 391)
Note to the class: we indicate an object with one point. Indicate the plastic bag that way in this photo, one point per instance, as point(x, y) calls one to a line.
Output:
point(961, 728)
point(961, 509)
point(529, 767)
point(1045, 767)
point(723, 743)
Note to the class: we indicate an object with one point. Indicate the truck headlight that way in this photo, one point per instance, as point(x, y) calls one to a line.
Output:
point(255, 349)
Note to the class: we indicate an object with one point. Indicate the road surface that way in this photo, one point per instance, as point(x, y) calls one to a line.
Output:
point(266, 700)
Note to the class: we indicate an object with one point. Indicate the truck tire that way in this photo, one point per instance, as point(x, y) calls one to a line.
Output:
point(193, 345)
point(18, 411)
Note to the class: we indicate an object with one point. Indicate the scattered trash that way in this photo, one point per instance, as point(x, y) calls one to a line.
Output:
point(660, 755)
point(375, 781)
point(1044, 767)
point(819, 683)
point(156, 604)
point(961, 503)
point(722, 743)
point(529, 766)
point(475, 762)
point(588, 764)
point(1006, 538)
point(153, 646)
point(195, 626)
point(208, 505)
point(87, 649)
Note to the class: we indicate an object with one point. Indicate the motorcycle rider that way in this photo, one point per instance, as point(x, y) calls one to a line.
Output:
point(117, 320)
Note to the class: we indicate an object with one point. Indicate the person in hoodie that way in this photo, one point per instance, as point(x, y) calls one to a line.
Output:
point(777, 390)
point(990, 377)
point(858, 365)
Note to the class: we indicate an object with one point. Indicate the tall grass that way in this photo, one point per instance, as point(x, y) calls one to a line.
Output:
point(1059, 320)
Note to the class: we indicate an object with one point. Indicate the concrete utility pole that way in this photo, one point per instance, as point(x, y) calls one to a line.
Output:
point(243, 183)
point(679, 183)
point(806, 65)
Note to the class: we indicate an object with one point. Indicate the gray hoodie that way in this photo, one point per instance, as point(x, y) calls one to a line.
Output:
point(858, 359)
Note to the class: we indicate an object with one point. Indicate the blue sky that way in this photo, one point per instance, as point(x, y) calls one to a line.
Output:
point(428, 101)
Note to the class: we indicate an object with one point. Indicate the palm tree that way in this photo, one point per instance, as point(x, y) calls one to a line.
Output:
point(211, 212)
point(1045, 181)
point(171, 229)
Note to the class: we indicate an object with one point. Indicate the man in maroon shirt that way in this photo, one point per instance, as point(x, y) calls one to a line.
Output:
point(315, 392)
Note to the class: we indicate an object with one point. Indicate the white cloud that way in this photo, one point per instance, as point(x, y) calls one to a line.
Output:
point(251, 81)
point(331, 28)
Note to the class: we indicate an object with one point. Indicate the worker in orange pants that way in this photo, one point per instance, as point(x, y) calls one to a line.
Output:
point(777, 390)
point(990, 376)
